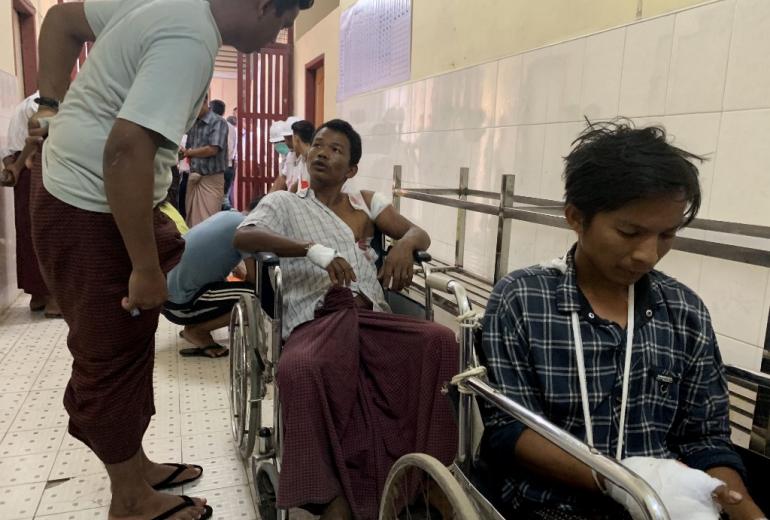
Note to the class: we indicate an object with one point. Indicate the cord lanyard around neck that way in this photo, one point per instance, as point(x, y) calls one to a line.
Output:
point(626, 374)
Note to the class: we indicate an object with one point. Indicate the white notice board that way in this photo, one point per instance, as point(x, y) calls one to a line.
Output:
point(375, 45)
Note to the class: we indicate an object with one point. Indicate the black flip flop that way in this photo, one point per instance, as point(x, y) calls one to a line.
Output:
point(169, 482)
point(203, 351)
point(187, 502)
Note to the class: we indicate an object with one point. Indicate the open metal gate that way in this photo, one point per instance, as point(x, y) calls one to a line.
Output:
point(264, 96)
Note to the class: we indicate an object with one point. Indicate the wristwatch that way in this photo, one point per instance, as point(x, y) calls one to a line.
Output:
point(47, 102)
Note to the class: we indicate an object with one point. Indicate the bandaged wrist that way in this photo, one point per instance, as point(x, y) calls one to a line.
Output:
point(320, 255)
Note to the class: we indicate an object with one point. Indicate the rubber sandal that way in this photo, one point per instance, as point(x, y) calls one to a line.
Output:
point(169, 482)
point(203, 351)
point(187, 502)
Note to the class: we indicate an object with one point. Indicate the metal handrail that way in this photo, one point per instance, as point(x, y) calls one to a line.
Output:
point(720, 226)
point(646, 497)
point(535, 214)
point(750, 376)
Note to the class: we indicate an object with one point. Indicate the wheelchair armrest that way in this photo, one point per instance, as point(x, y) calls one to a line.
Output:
point(267, 259)
point(422, 256)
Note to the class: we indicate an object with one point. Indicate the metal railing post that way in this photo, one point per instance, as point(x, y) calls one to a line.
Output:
point(396, 186)
point(503, 227)
point(460, 232)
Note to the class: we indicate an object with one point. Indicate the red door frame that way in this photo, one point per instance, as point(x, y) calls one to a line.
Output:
point(311, 68)
point(265, 91)
point(26, 13)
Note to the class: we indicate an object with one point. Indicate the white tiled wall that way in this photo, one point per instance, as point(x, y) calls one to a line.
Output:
point(9, 96)
point(702, 73)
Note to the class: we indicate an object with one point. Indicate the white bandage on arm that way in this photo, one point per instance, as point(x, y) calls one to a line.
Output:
point(686, 492)
point(320, 255)
point(379, 203)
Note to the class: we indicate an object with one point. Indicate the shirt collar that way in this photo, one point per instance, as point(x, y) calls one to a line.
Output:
point(208, 118)
point(570, 298)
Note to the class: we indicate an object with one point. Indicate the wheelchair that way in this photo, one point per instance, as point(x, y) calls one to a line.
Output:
point(255, 349)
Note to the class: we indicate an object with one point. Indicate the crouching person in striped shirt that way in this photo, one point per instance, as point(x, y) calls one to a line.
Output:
point(200, 296)
point(560, 337)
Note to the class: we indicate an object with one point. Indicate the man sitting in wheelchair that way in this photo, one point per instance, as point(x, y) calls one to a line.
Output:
point(358, 387)
point(560, 337)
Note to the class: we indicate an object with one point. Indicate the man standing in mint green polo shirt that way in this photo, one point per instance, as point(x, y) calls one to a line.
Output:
point(104, 244)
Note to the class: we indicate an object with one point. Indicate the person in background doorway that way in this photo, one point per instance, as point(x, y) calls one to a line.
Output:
point(294, 174)
point(232, 147)
point(17, 174)
point(207, 151)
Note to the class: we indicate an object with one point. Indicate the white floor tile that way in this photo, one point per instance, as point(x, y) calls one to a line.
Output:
point(99, 513)
point(232, 503)
point(163, 449)
point(20, 502)
point(26, 469)
point(75, 495)
point(206, 422)
point(31, 441)
point(207, 446)
point(76, 463)
point(10, 403)
point(218, 473)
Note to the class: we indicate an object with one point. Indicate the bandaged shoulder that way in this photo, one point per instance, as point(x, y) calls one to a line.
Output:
point(378, 204)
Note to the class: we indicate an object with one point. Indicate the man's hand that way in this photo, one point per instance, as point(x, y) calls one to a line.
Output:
point(397, 270)
point(340, 272)
point(7, 178)
point(146, 289)
point(736, 505)
point(38, 123)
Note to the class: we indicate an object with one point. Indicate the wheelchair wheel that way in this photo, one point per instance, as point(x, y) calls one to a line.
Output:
point(266, 486)
point(245, 376)
point(420, 487)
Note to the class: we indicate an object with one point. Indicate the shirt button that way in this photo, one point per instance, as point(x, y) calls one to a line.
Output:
point(648, 313)
point(591, 315)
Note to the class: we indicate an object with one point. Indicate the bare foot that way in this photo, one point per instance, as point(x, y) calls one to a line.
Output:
point(155, 473)
point(338, 509)
point(155, 504)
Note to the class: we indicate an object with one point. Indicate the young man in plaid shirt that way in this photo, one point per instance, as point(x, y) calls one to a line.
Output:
point(556, 339)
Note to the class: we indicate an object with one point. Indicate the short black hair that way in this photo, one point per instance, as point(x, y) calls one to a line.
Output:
point(613, 163)
point(304, 130)
point(254, 202)
point(217, 106)
point(343, 127)
point(281, 6)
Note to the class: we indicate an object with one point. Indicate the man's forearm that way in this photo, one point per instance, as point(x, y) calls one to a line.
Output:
point(62, 35)
point(551, 463)
point(202, 152)
point(747, 509)
point(416, 239)
point(254, 239)
point(26, 152)
point(129, 179)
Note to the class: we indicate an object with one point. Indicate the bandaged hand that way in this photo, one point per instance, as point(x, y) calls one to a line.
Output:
point(320, 255)
point(686, 493)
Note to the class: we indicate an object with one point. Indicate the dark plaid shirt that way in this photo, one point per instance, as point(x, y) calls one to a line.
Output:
point(211, 130)
point(677, 399)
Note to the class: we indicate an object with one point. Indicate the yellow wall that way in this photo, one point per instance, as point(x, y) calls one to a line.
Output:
point(7, 61)
point(321, 39)
point(451, 34)
point(226, 89)
point(6, 37)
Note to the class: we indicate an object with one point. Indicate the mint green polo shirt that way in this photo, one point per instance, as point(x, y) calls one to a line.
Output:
point(151, 64)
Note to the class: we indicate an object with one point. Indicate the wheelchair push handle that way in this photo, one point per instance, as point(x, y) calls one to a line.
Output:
point(439, 282)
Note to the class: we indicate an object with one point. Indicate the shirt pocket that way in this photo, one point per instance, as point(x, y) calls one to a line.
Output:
point(663, 389)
